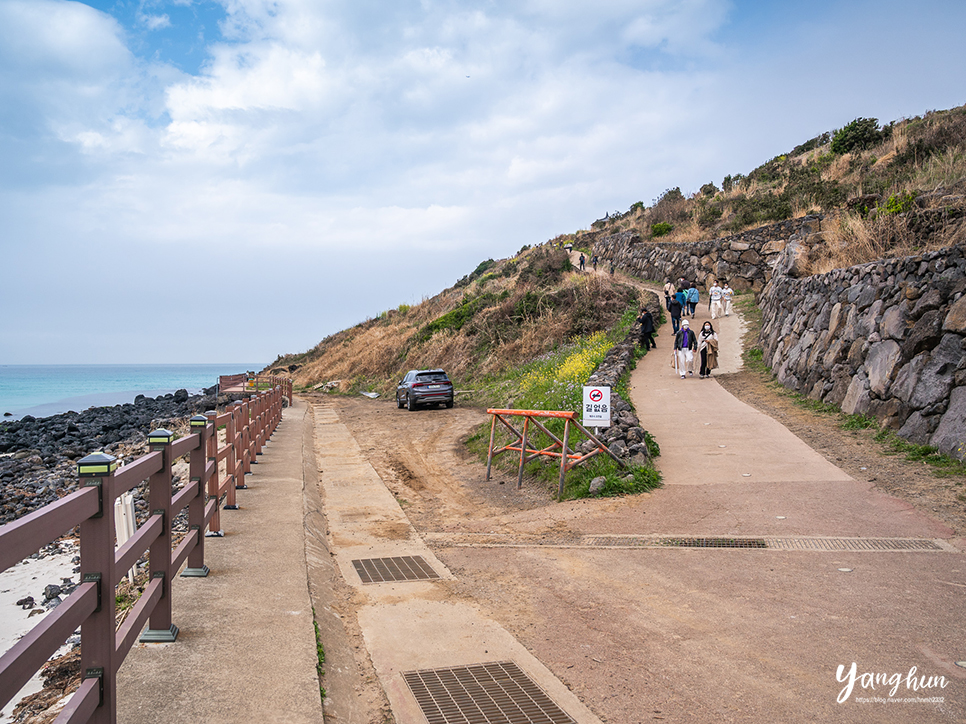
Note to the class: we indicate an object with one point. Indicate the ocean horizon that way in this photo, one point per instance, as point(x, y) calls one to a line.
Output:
point(44, 390)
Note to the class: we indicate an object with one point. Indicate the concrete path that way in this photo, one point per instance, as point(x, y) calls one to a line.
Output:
point(246, 648)
point(746, 472)
point(408, 626)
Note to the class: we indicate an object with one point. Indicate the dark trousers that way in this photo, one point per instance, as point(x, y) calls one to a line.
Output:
point(676, 323)
point(692, 306)
point(667, 302)
point(647, 340)
point(704, 362)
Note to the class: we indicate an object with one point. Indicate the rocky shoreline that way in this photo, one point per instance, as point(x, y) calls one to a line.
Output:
point(38, 455)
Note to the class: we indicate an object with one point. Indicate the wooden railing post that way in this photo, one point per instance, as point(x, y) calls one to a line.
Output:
point(259, 400)
point(160, 629)
point(253, 429)
point(97, 566)
point(213, 486)
point(246, 448)
point(231, 428)
point(197, 462)
point(237, 452)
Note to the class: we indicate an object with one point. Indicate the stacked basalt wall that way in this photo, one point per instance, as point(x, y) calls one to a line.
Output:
point(885, 339)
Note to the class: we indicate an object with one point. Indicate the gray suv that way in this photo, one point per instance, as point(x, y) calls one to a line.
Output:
point(424, 387)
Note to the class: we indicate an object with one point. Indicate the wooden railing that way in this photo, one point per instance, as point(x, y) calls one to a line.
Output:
point(91, 606)
point(246, 382)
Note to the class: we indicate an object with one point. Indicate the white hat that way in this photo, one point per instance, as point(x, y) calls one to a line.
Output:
point(685, 323)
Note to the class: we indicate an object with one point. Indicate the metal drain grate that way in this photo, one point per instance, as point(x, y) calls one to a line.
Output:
point(494, 693)
point(403, 568)
point(772, 543)
point(714, 542)
point(854, 544)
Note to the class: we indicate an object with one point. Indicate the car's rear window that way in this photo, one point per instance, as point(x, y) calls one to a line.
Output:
point(433, 376)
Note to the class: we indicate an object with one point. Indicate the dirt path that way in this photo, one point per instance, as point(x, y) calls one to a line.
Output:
point(698, 635)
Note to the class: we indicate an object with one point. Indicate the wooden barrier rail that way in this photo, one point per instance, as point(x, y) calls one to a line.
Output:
point(246, 382)
point(91, 605)
point(558, 448)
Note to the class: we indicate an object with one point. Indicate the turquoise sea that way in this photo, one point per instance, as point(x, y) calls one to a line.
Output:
point(42, 390)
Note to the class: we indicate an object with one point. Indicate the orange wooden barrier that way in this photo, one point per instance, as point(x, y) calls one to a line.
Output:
point(558, 448)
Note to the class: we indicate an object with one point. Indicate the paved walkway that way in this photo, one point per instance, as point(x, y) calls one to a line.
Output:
point(408, 626)
point(246, 647)
point(739, 470)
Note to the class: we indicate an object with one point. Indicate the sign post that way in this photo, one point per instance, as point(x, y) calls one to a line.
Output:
point(596, 406)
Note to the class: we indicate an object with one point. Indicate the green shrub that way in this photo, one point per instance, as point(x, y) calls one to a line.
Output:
point(860, 134)
point(661, 228)
point(900, 203)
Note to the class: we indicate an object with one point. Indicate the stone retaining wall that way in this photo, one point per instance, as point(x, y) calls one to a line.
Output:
point(886, 339)
point(625, 436)
point(747, 261)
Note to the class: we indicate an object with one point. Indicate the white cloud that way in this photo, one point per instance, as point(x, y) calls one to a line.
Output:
point(347, 134)
point(154, 22)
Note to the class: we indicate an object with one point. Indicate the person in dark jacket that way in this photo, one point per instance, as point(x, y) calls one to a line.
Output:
point(685, 342)
point(675, 310)
point(647, 330)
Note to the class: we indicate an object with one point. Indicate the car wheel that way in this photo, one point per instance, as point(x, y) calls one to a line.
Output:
point(410, 403)
point(449, 405)
point(399, 404)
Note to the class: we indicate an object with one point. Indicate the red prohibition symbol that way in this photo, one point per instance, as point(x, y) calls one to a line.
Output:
point(596, 395)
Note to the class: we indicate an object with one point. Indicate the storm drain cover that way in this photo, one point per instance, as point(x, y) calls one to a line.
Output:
point(772, 543)
point(714, 542)
point(494, 693)
point(403, 568)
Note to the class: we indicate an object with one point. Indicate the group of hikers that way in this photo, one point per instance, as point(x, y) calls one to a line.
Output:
point(690, 347)
point(683, 300)
point(595, 260)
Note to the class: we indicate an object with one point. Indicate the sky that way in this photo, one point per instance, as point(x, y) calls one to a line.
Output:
point(217, 180)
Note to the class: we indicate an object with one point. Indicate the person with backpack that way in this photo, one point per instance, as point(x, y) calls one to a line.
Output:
point(594, 262)
point(675, 309)
point(668, 293)
point(582, 261)
point(693, 298)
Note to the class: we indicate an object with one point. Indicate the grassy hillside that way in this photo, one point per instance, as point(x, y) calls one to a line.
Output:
point(880, 187)
point(481, 330)
point(874, 179)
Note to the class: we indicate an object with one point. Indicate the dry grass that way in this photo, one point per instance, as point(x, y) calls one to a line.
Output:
point(851, 239)
point(522, 315)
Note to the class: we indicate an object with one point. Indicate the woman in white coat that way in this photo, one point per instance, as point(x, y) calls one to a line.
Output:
point(707, 349)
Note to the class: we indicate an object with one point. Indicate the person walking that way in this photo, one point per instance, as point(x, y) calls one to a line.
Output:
point(707, 349)
point(647, 330)
point(668, 293)
point(582, 261)
point(682, 296)
point(594, 262)
point(675, 310)
point(715, 304)
point(727, 294)
point(693, 298)
point(685, 342)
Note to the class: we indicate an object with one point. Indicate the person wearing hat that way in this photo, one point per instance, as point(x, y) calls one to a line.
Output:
point(685, 342)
